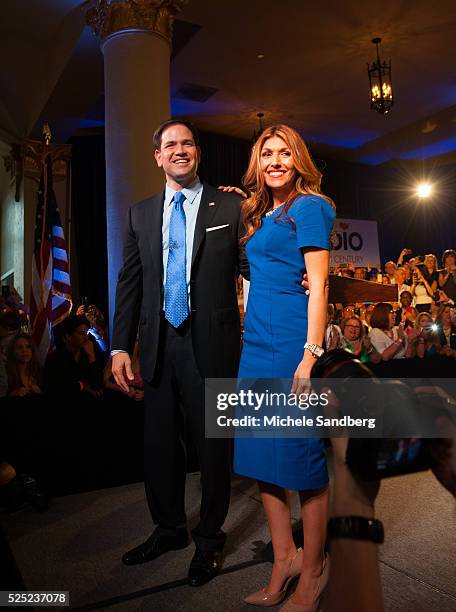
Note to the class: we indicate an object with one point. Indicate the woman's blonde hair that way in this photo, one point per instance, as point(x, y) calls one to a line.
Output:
point(307, 178)
point(432, 257)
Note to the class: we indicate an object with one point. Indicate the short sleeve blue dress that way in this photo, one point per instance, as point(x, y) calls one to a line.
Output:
point(275, 331)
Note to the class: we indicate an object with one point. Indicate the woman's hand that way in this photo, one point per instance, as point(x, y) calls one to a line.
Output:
point(367, 343)
point(301, 378)
point(414, 335)
point(400, 331)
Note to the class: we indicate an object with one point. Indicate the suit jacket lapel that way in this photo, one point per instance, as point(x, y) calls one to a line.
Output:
point(207, 210)
point(154, 222)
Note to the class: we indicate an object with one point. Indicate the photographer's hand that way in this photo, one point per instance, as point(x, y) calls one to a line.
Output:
point(354, 580)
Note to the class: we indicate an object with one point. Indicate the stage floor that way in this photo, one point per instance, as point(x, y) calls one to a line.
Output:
point(78, 543)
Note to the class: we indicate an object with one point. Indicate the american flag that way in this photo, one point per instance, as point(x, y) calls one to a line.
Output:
point(50, 299)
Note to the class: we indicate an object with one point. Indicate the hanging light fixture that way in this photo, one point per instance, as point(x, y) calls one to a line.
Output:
point(381, 89)
point(257, 133)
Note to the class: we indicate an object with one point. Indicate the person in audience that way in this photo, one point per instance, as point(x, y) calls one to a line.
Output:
point(430, 272)
point(400, 277)
point(73, 368)
point(406, 313)
point(333, 333)
point(447, 276)
point(348, 273)
point(354, 340)
point(407, 267)
point(422, 291)
point(10, 325)
point(348, 311)
point(446, 330)
point(360, 273)
point(388, 339)
point(428, 340)
point(369, 309)
point(24, 377)
point(98, 328)
point(390, 271)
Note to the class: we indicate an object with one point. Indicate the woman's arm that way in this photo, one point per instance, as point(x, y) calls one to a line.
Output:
point(317, 266)
point(443, 278)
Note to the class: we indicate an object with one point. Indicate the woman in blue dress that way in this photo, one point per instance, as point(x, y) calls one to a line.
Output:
point(288, 225)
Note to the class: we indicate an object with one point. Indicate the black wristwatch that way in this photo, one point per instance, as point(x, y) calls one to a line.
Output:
point(356, 528)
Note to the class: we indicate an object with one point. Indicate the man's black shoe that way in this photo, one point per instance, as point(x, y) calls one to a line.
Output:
point(156, 545)
point(204, 566)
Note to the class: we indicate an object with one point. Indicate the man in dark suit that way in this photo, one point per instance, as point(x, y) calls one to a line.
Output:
point(178, 283)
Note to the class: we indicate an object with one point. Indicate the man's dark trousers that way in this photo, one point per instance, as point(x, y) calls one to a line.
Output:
point(174, 403)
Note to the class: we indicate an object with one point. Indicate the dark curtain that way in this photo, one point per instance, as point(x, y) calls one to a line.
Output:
point(224, 160)
point(89, 218)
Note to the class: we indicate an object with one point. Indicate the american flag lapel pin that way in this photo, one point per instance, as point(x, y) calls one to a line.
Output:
point(211, 203)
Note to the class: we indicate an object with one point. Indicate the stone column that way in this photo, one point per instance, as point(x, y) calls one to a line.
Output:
point(135, 40)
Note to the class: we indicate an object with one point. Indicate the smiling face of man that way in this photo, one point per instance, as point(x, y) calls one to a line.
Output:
point(178, 155)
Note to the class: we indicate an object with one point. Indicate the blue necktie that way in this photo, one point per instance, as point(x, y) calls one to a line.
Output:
point(176, 300)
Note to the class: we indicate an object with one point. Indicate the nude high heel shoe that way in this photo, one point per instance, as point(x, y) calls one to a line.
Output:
point(290, 606)
point(263, 598)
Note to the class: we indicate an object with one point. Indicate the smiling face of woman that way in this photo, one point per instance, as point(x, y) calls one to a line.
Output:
point(429, 262)
point(352, 330)
point(391, 319)
point(277, 165)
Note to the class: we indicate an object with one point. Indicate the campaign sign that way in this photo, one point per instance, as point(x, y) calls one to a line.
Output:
point(355, 242)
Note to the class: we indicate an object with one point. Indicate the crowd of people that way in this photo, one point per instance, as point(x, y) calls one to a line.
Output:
point(421, 324)
point(78, 363)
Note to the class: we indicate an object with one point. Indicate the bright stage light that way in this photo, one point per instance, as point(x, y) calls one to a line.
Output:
point(424, 190)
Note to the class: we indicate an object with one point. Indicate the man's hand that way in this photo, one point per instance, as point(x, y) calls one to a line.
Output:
point(305, 283)
point(229, 189)
point(121, 369)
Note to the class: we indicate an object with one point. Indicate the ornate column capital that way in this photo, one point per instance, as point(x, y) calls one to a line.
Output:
point(26, 160)
point(109, 17)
